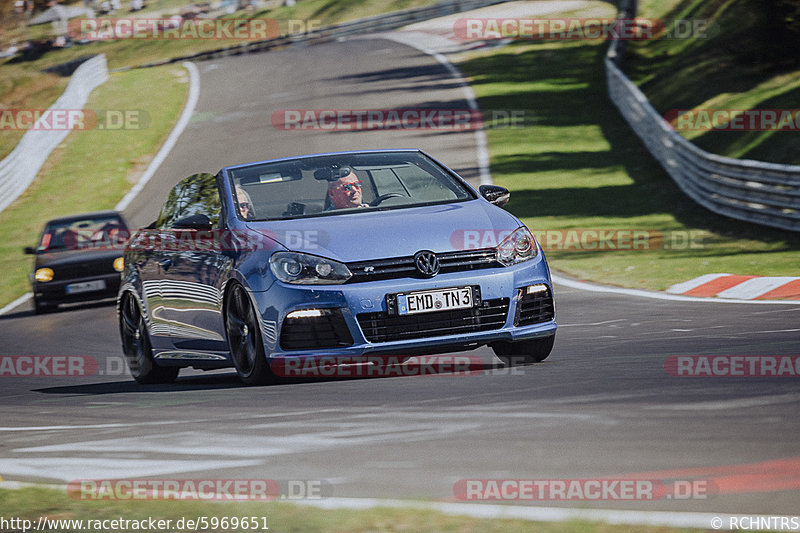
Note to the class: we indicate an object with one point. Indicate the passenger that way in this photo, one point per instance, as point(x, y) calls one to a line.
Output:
point(244, 203)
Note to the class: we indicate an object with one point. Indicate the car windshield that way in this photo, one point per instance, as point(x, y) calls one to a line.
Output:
point(342, 183)
point(84, 233)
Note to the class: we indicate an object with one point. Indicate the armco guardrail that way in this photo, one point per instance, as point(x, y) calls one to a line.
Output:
point(753, 191)
point(19, 168)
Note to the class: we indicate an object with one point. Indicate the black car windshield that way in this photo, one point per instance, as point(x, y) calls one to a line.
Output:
point(342, 183)
point(76, 234)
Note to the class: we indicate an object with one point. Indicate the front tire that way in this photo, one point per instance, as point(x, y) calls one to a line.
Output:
point(244, 339)
point(137, 348)
point(524, 352)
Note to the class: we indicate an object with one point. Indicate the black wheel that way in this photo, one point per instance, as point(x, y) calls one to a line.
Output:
point(524, 352)
point(40, 308)
point(137, 348)
point(244, 339)
point(383, 197)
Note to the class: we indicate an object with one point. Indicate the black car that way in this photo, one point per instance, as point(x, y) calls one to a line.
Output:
point(79, 258)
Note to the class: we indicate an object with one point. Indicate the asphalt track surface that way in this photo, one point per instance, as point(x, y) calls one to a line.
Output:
point(602, 405)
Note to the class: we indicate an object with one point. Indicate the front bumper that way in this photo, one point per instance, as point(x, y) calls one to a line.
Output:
point(55, 292)
point(369, 298)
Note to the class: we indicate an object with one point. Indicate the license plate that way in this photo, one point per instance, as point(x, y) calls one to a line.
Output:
point(436, 300)
point(86, 286)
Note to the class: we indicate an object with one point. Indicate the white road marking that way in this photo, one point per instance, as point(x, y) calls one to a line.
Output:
point(482, 145)
point(593, 323)
point(593, 287)
point(74, 468)
point(680, 288)
point(183, 121)
point(487, 511)
point(538, 514)
point(196, 450)
point(755, 287)
point(737, 403)
point(249, 418)
point(19, 301)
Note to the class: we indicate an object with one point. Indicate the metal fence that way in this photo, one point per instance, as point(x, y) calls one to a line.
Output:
point(753, 191)
point(19, 168)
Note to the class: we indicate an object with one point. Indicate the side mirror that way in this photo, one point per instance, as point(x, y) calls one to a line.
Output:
point(495, 194)
point(198, 222)
point(30, 250)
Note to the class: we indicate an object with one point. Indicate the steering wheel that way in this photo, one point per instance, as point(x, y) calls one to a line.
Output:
point(383, 197)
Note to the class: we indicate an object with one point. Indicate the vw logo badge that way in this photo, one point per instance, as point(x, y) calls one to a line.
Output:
point(427, 263)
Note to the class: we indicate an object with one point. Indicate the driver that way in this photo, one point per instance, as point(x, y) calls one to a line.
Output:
point(346, 191)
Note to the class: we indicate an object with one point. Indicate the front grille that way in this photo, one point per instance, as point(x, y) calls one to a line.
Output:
point(535, 308)
point(308, 333)
point(382, 327)
point(85, 269)
point(403, 267)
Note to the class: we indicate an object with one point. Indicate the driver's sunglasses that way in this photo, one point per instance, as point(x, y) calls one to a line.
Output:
point(350, 186)
point(244, 205)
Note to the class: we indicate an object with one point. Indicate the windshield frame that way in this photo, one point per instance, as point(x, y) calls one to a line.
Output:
point(458, 181)
point(63, 225)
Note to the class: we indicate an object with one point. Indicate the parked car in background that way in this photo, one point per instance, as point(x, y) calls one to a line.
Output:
point(78, 258)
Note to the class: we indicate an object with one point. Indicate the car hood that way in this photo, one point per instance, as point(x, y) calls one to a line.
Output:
point(393, 232)
point(72, 257)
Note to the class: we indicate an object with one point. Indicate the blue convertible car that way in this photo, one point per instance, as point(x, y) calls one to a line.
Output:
point(370, 253)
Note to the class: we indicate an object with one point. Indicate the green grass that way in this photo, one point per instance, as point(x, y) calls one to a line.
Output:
point(24, 85)
point(334, 11)
point(22, 88)
point(32, 503)
point(92, 169)
point(130, 52)
point(743, 63)
point(575, 164)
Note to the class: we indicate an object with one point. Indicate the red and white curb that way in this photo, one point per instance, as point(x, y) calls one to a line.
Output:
point(737, 287)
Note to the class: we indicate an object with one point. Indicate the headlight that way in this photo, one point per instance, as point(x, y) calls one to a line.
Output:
point(119, 264)
point(44, 274)
point(305, 269)
point(518, 247)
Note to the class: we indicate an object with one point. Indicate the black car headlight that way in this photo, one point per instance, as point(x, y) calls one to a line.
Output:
point(518, 247)
point(305, 269)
